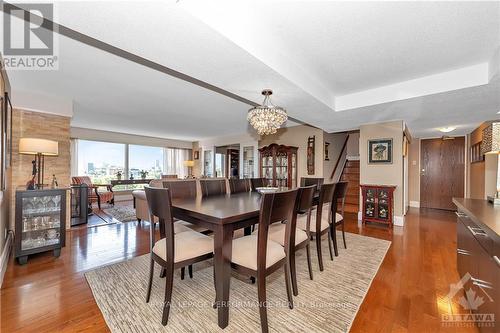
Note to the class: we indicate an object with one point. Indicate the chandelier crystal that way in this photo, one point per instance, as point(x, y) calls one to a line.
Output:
point(267, 118)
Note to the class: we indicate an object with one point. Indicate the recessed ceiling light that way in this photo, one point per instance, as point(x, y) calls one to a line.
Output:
point(447, 129)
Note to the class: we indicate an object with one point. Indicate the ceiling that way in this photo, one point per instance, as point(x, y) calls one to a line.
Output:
point(334, 65)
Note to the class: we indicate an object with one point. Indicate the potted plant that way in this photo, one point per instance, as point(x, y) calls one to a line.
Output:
point(119, 175)
point(144, 174)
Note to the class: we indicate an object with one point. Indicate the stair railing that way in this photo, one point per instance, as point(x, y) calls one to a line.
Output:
point(344, 146)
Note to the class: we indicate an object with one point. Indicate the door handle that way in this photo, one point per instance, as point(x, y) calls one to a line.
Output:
point(459, 214)
point(496, 260)
point(463, 252)
point(476, 231)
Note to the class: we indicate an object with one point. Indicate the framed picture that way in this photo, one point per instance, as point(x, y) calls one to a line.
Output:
point(327, 157)
point(310, 154)
point(8, 131)
point(196, 155)
point(380, 151)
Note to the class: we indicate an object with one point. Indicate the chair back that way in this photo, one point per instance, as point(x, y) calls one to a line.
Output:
point(305, 198)
point(211, 187)
point(305, 181)
point(274, 207)
point(238, 185)
point(160, 206)
point(257, 182)
point(339, 195)
point(79, 180)
point(169, 177)
point(181, 189)
point(325, 197)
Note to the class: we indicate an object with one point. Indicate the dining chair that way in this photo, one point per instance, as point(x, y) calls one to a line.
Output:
point(257, 255)
point(257, 182)
point(319, 223)
point(277, 232)
point(306, 181)
point(172, 250)
point(338, 219)
point(238, 185)
point(184, 189)
point(211, 187)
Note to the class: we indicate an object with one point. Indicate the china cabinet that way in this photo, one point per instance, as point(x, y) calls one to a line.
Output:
point(278, 164)
point(378, 203)
point(40, 222)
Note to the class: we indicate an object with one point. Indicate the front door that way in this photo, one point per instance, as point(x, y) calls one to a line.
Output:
point(442, 172)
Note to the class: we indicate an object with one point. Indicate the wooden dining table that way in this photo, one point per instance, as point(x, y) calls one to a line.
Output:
point(221, 214)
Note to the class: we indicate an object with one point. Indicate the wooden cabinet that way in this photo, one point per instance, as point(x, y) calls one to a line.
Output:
point(40, 222)
point(478, 251)
point(378, 203)
point(278, 164)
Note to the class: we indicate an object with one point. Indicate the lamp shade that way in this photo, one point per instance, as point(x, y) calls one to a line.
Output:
point(189, 163)
point(32, 146)
point(491, 139)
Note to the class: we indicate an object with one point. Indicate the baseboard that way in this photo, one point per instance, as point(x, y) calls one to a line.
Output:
point(398, 220)
point(415, 204)
point(4, 259)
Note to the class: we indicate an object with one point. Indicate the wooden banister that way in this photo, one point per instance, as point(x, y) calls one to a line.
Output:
point(340, 156)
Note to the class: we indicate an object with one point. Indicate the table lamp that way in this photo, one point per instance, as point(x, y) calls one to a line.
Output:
point(40, 148)
point(491, 145)
point(189, 164)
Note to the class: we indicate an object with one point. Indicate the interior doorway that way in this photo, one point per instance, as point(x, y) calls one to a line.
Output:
point(227, 161)
point(442, 172)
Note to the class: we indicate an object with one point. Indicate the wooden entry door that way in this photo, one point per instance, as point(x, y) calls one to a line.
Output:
point(442, 172)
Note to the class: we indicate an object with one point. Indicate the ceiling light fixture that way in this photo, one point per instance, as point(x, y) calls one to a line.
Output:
point(447, 129)
point(267, 118)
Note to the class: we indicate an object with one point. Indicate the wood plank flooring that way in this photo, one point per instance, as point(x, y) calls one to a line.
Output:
point(407, 295)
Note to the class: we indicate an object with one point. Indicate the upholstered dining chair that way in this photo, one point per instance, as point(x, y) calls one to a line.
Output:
point(306, 181)
point(257, 255)
point(319, 224)
point(277, 232)
point(211, 187)
point(238, 185)
point(338, 219)
point(258, 182)
point(172, 250)
point(94, 195)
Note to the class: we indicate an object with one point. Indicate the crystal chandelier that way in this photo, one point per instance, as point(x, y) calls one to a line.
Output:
point(267, 118)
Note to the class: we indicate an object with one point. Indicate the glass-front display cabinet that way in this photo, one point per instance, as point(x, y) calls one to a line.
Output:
point(278, 164)
point(40, 222)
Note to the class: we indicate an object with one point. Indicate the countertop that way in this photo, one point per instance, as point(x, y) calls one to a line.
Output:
point(481, 212)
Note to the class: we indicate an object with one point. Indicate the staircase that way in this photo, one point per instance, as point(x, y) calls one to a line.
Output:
point(351, 175)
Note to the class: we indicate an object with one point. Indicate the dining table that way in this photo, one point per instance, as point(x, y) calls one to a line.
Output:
point(222, 214)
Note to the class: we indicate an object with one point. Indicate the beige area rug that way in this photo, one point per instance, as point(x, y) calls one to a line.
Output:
point(122, 213)
point(328, 303)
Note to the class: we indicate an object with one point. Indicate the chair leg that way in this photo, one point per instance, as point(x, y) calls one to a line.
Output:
point(190, 271)
point(99, 202)
point(261, 290)
point(163, 272)
point(252, 279)
point(215, 288)
point(343, 235)
point(287, 283)
point(293, 272)
point(309, 265)
point(169, 278)
point(330, 245)
point(150, 282)
point(320, 256)
point(334, 238)
point(183, 270)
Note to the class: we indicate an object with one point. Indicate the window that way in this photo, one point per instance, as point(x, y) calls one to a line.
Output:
point(145, 159)
point(100, 160)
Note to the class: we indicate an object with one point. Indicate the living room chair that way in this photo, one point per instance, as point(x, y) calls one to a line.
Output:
point(172, 250)
point(94, 195)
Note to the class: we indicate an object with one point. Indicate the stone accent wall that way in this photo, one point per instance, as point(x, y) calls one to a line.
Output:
point(42, 126)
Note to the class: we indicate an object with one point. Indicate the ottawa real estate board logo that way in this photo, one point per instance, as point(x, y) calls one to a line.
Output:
point(471, 299)
point(28, 36)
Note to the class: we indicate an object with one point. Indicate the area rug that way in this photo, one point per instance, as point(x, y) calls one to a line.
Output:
point(122, 213)
point(328, 303)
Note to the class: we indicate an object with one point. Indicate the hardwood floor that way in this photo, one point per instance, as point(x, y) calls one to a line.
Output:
point(407, 295)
